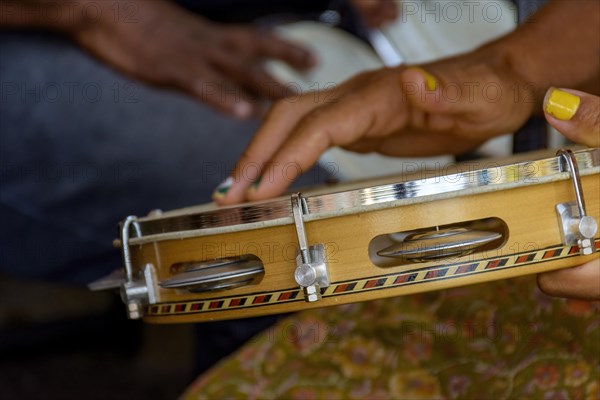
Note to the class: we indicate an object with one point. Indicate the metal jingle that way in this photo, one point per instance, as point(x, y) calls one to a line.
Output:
point(226, 285)
point(216, 275)
point(434, 245)
point(196, 266)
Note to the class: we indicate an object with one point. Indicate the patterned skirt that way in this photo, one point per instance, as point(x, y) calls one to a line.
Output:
point(501, 340)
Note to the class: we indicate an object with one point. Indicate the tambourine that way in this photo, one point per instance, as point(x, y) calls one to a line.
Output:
point(458, 225)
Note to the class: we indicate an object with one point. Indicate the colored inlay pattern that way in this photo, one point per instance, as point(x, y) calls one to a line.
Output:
point(433, 273)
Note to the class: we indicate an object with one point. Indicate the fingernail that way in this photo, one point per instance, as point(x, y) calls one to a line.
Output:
point(560, 104)
point(221, 190)
point(430, 82)
point(242, 109)
point(256, 184)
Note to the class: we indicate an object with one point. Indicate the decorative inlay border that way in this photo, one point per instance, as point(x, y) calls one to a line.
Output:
point(379, 282)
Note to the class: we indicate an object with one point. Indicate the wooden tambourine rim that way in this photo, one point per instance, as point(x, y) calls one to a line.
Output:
point(373, 283)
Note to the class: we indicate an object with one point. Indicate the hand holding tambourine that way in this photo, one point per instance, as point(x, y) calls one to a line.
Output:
point(577, 116)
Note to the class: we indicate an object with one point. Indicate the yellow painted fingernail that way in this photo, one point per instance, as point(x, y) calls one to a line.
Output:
point(560, 104)
point(430, 82)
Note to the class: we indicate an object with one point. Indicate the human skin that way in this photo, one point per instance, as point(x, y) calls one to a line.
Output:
point(445, 107)
point(163, 44)
point(578, 118)
point(406, 111)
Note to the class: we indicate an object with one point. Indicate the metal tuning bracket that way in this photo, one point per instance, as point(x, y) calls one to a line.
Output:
point(311, 267)
point(576, 226)
point(136, 291)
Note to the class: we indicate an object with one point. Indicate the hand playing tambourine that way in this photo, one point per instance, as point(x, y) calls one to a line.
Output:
point(450, 106)
point(577, 116)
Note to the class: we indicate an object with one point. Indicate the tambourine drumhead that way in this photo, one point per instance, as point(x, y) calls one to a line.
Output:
point(464, 224)
point(357, 197)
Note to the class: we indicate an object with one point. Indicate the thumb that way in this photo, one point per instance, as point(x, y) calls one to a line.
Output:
point(575, 114)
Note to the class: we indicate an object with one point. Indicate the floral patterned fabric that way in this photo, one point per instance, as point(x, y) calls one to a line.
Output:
point(502, 340)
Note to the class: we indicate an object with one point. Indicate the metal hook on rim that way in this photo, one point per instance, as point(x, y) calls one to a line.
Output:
point(576, 226)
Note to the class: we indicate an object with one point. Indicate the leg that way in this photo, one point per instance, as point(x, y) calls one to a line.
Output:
point(81, 147)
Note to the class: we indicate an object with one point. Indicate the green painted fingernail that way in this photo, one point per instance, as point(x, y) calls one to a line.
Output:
point(221, 190)
point(256, 184)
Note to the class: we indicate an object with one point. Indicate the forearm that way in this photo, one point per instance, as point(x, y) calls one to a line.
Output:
point(60, 15)
point(559, 47)
point(71, 16)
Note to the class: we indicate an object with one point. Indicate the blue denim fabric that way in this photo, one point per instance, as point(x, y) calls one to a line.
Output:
point(82, 146)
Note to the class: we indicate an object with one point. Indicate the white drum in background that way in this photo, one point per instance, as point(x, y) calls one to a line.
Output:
point(426, 30)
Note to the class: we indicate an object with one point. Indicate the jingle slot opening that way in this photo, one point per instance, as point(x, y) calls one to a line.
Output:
point(215, 274)
point(434, 243)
